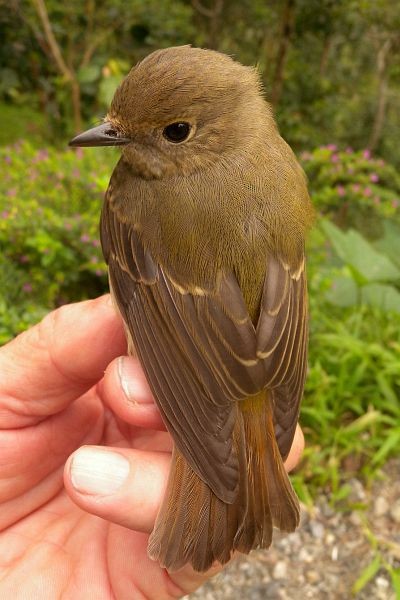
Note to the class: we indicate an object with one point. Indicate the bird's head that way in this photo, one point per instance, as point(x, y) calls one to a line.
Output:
point(181, 109)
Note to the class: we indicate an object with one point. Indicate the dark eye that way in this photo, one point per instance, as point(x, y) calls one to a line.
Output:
point(177, 132)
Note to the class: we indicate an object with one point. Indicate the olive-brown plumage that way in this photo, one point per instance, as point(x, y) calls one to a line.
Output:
point(204, 237)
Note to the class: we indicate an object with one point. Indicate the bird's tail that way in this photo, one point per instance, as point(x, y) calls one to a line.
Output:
point(194, 526)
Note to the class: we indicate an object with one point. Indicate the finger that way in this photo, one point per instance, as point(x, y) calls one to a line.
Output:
point(53, 363)
point(106, 481)
point(127, 488)
point(29, 479)
point(126, 391)
point(296, 450)
point(123, 486)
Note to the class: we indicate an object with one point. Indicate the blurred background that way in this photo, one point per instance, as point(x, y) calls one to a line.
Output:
point(331, 70)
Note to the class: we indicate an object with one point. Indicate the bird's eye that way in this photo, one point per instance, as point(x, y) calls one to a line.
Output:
point(177, 132)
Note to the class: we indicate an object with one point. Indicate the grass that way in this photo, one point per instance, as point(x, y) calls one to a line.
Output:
point(351, 410)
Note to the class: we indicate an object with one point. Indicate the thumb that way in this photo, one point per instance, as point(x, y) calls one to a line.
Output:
point(56, 361)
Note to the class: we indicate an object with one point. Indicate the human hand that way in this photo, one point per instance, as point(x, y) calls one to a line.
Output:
point(54, 398)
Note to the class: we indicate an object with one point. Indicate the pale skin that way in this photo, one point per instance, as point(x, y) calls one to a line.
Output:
point(61, 399)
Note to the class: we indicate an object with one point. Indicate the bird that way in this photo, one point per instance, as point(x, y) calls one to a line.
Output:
point(203, 229)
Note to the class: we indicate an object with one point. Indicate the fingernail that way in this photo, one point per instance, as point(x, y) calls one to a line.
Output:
point(133, 381)
point(95, 471)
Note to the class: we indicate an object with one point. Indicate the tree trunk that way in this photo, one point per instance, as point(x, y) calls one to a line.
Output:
point(76, 105)
point(286, 34)
point(325, 55)
point(63, 68)
point(213, 15)
point(380, 113)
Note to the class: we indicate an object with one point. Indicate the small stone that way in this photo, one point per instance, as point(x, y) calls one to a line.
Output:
point(355, 518)
point(312, 576)
point(382, 582)
point(381, 506)
point(272, 590)
point(317, 529)
point(295, 540)
point(357, 493)
point(335, 553)
point(395, 512)
point(327, 510)
point(330, 538)
point(280, 570)
point(304, 555)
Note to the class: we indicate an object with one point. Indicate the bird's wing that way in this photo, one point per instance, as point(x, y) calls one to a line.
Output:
point(201, 353)
point(282, 344)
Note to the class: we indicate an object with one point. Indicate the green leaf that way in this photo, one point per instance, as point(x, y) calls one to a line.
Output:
point(367, 574)
point(385, 297)
point(395, 576)
point(355, 251)
point(391, 442)
point(89, 74)
point(107, 88)
point(343, 292)
point(362, 422)
point(389, 244)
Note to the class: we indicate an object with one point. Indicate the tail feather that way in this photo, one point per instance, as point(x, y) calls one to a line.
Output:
point(195, 526)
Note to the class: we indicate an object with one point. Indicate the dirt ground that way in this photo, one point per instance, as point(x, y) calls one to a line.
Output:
point(325, 557)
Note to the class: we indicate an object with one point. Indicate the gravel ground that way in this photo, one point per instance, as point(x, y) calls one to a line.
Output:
point(326, 555)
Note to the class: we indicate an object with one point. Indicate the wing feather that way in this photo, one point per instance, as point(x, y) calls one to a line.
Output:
point(202, 354)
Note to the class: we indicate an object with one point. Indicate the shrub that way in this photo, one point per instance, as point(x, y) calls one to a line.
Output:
point(50, 203)
point(353, 188)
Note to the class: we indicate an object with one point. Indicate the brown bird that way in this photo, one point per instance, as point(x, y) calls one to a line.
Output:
point(203, 230)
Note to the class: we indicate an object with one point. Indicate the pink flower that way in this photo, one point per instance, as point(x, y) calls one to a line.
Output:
point(374, 177)
point(356, 187)
point(334, 158)
point(341, 190)
point(40, 155)
point(377, 200)
point(99, 272)
point(79, 152)
point(395, 203)
point(331, 147)
point(350, 170)
point(305, 155)
point(24, 259)
point(85, 238)
point(96, 243)
point(12, 192)
point(5, 214)
point(367, 154)
point(76, 173)
point(27, 287)
point(7, 159)
point(367, 192)
point(349, 150)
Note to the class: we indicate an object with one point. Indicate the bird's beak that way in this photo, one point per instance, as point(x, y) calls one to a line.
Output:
point(103, 135)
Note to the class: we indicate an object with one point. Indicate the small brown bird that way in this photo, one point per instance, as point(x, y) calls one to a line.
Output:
point(203, 230)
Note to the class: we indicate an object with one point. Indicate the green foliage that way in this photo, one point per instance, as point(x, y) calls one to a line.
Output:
point(49, 247)
point(19, 121)
point(351, 409)
point(368, 276)
point(353, 188)
point(336, 63)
